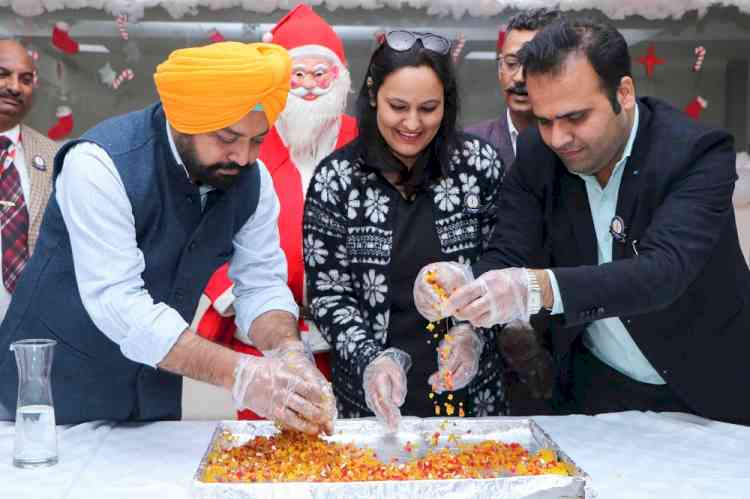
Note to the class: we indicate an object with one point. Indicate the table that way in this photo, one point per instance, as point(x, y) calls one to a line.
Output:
point(628, 455)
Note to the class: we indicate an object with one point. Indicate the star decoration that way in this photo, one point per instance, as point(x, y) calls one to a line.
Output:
point(650, 60)
point(107, 74)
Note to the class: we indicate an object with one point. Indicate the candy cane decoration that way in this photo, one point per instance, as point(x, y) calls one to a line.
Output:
point(122, 22)
point(458, 46)
point(700, 54)
point(125, 74)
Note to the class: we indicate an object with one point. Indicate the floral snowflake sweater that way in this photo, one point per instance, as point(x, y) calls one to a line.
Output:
point(348, 237)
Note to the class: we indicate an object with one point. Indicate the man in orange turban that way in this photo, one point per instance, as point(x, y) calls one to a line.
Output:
point(146, 206)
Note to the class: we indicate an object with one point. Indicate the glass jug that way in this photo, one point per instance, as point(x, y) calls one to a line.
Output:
point(35, 437)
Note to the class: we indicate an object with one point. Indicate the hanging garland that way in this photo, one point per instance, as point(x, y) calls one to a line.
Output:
point(615, 9)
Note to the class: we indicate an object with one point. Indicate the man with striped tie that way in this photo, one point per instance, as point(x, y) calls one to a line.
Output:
point(25, 166)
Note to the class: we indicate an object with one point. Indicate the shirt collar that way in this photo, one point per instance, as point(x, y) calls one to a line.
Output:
point(625, 152)
point(14, 134)
point(631, 139)
point(512, 129)
point(173, 148)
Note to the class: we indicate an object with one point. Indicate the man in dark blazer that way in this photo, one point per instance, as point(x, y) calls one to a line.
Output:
point(502, 132)
point(623, 209)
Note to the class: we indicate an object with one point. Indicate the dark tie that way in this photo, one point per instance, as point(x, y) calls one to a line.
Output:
point(14, 218)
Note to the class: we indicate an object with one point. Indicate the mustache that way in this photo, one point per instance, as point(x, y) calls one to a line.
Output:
point(224, 166)
point(7, 94)
point(302, 91)
point(517, 88)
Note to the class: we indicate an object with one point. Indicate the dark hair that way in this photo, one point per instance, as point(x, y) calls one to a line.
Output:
point(604, 47)
point(385, 61)
point(533, 19)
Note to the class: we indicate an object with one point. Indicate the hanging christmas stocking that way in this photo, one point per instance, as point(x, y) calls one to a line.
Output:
point(215, 36)
point(61, 39)
point(64, 124)
point(696, 107)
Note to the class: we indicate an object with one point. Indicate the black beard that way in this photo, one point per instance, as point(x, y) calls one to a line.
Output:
point(205, 175)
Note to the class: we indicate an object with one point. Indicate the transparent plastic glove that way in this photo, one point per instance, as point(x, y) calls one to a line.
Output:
point(458, 359)
point(272, 390)
point(495, 297)
point(526, 355)
point(298, 358)
point(434, 284)
point(384, 382)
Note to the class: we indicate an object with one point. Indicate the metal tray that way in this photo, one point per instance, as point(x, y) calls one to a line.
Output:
point(368, 432)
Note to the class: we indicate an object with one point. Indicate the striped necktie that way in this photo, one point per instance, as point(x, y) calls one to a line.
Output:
point(14, 218)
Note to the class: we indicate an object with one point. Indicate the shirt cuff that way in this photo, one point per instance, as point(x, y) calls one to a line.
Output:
point(244, 318)
point(149, 345)
point(557, 307)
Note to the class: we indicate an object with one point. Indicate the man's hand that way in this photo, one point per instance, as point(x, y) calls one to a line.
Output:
point(458, 359)
point(299, 359)
point(384, 383)
point(434, 284)
point(495, 297)
point(272, 390)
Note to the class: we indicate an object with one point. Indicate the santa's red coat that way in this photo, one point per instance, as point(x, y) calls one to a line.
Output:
point(214, 318)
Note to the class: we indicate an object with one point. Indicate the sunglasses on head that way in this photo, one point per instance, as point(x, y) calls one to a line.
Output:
point(402, 40)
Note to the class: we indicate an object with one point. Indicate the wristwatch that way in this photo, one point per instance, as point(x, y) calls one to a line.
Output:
point(533, 294)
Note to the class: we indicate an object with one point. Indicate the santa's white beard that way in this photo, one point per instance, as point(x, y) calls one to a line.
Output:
point(310, 129)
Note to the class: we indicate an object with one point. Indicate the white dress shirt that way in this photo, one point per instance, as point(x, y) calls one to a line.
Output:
point(512, 130)
point(608, 339)
point(108, 263)
point(14, 134)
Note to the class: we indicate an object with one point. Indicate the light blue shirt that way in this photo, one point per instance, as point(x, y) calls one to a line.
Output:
point(608, 339)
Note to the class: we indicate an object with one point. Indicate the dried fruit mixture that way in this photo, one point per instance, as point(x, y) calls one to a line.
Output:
point(292, 457)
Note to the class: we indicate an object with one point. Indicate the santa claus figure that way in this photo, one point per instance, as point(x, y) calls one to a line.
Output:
point(310, 128)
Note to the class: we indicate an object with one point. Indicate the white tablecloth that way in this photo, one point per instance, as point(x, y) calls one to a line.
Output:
point(628, 455)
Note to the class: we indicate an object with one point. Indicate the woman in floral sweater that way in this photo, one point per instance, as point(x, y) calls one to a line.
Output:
point(411, 190)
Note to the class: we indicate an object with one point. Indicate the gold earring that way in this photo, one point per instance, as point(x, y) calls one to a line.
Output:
point(370, 83)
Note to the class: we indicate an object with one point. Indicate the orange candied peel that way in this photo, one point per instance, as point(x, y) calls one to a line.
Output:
point(291, 457)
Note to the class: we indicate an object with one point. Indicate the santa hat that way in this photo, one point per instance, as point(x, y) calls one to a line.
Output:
point(304, 33)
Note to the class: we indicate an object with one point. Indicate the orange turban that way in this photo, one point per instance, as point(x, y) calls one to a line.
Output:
point(204, 89)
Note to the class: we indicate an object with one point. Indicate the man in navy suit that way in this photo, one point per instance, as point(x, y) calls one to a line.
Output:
point(618, 237)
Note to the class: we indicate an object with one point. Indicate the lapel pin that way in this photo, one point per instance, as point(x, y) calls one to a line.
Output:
point(38, 163)
point(617, 229)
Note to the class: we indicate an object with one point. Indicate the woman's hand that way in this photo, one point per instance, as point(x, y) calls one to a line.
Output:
point(384, 383)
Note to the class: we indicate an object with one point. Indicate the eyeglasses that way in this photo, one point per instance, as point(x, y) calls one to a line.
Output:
point(402, 41)
point(508, 64)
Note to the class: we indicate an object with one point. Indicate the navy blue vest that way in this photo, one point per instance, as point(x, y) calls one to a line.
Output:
point(181, 245)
